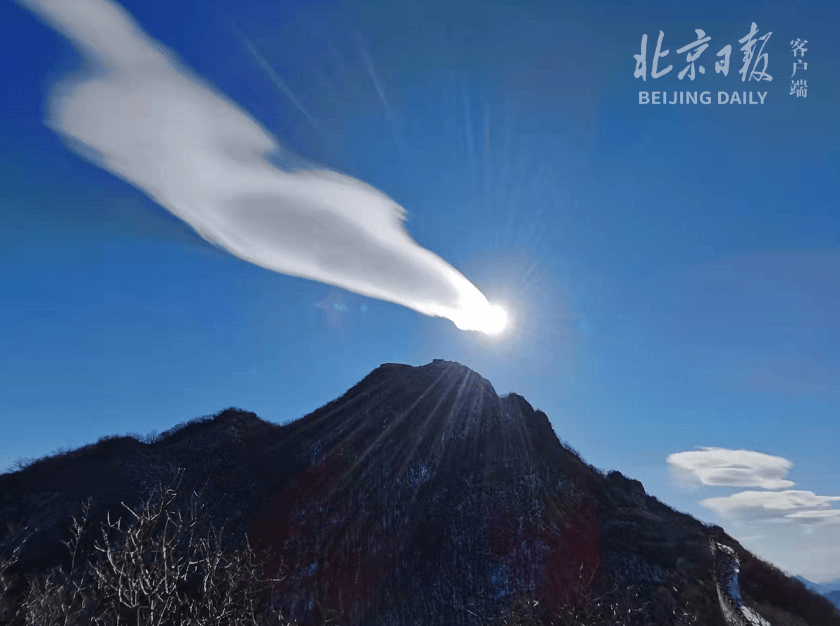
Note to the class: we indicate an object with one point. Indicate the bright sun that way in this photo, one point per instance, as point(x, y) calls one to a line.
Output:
point(486, 318)
point(494, 320)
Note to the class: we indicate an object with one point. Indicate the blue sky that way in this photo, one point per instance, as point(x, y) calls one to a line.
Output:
point(672, 272)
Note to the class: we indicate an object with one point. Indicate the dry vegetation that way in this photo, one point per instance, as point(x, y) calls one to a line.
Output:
point(163, 567)
point(618, 606)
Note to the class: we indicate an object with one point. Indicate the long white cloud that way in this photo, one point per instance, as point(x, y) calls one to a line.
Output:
point(830, 515)
point(143, 116)
point(731, 468)
point(790, 505)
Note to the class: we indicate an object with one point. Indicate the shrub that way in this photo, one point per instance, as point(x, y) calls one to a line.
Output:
point(618, 605)
point(164, 567)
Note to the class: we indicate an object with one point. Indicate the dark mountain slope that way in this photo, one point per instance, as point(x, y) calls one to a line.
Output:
point(418, 497)
point(830, 589)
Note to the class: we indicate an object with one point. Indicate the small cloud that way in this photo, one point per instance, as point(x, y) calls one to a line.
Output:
point(730, 468)
point(792, 506)
point(831, 515)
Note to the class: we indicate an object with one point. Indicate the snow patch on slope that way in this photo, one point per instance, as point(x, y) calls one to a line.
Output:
point(732, 605)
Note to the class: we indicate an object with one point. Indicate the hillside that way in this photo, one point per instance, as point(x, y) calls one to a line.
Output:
point(420, 497)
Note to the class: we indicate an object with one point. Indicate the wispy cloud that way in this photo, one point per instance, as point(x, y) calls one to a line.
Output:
point(790, 505)
point(377, 83)
point(830, 515)
point(730, 468)
point(142, 115)
point(278, 82)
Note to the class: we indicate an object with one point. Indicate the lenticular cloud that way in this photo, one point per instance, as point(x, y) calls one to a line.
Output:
point(731, 468)
point(149, 120)
point(792, 506)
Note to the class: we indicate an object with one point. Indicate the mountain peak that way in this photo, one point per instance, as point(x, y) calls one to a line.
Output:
point(419, 496)
point(439, 367)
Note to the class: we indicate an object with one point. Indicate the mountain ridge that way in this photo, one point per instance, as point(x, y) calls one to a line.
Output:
point(418, 496)
point(829, 589)
point(824, 587)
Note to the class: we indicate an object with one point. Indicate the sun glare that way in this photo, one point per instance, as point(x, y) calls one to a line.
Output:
point(494, 320)
point(490, 319)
